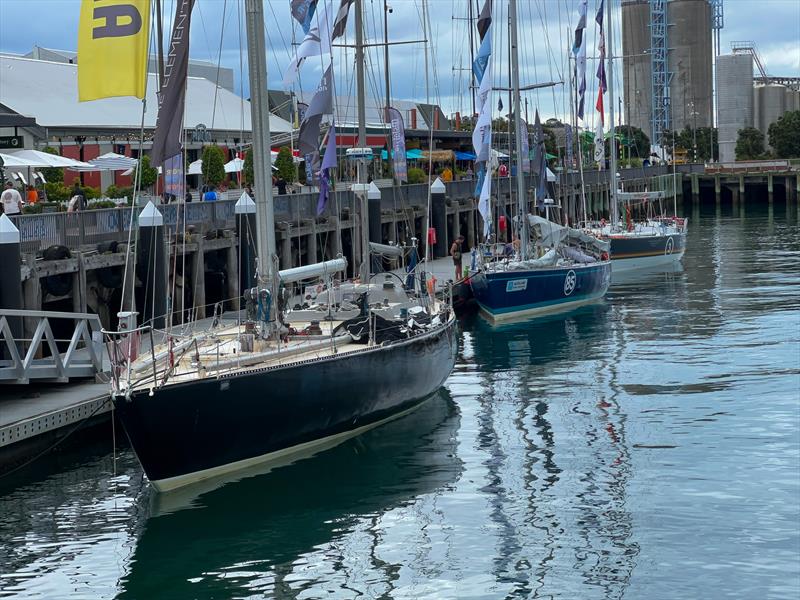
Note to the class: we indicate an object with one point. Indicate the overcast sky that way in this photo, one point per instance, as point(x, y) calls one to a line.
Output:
point(545, 29)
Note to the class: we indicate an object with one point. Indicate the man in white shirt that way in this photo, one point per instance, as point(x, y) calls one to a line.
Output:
point(12, 201)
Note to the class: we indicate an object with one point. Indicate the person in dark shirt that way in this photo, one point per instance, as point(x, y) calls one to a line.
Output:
point(281, 185)
point(77, 190)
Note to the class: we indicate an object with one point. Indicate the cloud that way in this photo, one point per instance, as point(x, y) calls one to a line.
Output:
point(545, 34)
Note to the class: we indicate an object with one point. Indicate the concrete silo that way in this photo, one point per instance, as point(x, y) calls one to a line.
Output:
point(770, 103)
point(690, 60)
point(792, 99)
point(689, 63)
point(734, 100)
point(637, 93)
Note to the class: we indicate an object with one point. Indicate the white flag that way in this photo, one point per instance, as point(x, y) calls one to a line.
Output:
point(484, 203)
point(599, 144)
point(316, 43)
point(482, 134)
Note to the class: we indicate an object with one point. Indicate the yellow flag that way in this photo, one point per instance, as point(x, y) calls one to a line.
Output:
point(113, 47)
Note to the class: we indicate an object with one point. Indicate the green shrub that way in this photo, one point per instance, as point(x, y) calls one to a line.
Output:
point(247, 172)
point(416, 175)
point(32, 209)
point(57, 192)
point(149, 173)
point(92, 193)
point(213, 165)
point(103, 204)
point(285, 164)
point(123, 192)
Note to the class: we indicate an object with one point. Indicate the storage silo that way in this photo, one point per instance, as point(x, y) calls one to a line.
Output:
point(636, 68)
point(769, 106)
point(792, 99)
point(734, 100)
point(690, 61)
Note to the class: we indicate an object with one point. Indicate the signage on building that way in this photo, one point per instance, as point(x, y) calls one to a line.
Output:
point(200, 134)
point(13, 142)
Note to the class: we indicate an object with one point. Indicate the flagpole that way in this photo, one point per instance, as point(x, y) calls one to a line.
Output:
point(612, 141)
point(520, 180)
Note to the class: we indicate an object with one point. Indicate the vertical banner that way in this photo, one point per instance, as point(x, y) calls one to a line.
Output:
point(113, 47)
point(526, 148)
point(308, 159)
point(398, 145)
point(171, 98)
point(599, 146)
point(173, 176)
point(568, 142)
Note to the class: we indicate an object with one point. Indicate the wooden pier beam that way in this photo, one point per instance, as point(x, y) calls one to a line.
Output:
point(199, 279)
point(695, 188)
point(232, 268)
point(717, 190)
point(79, 287)
point(770, 187)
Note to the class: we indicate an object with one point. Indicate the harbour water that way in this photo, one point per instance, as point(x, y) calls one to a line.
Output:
point(645, 447)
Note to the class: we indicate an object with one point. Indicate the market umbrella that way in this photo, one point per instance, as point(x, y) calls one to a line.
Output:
point(111, 161)
point(234, 166)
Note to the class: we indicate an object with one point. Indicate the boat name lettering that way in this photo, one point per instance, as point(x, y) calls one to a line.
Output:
point(517, 285)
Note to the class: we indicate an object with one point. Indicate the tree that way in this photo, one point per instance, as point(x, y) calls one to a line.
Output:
point(499, 125)
point(285, 164)
point(784, 135)
point(249, 176)
point(750, 144)
point(213, 165)
point(149, 174)
point(635, 141)
point(53, 174)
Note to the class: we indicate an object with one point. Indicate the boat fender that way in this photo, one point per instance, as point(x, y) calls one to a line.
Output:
point(604, 256)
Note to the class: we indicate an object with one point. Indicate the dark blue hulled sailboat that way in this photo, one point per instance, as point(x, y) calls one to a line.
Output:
point(553, 268)
point(573, 270)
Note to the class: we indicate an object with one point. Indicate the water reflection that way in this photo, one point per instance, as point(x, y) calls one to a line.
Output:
point(644, 447)
point(250, 536)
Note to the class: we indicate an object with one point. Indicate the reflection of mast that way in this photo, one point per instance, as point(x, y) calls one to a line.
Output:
point(612, 524)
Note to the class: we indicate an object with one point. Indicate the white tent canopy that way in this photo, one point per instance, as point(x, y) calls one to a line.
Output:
point(36, 159)
point(196, 167)
point(110, 161)
point(234, 166)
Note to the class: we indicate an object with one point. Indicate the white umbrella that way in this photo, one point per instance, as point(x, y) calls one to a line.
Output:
point(111, 161)
point(196, 167)
point(11, 162)
point(234, 166)
point(35, 158)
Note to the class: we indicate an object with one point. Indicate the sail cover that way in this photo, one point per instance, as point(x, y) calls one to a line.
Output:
point(551, 234)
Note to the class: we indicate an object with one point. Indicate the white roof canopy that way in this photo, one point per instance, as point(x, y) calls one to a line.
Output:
point(36, 159)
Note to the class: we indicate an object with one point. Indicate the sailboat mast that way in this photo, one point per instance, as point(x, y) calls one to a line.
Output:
point(259, 116)
point(612, 141)
point(362, 142)
point(520, 178)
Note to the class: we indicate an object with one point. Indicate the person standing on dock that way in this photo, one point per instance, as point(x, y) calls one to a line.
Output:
point(455, 252)
point(79, 197)
point(11, 199)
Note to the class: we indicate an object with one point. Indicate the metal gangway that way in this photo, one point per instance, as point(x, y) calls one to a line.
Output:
point(24, 359)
